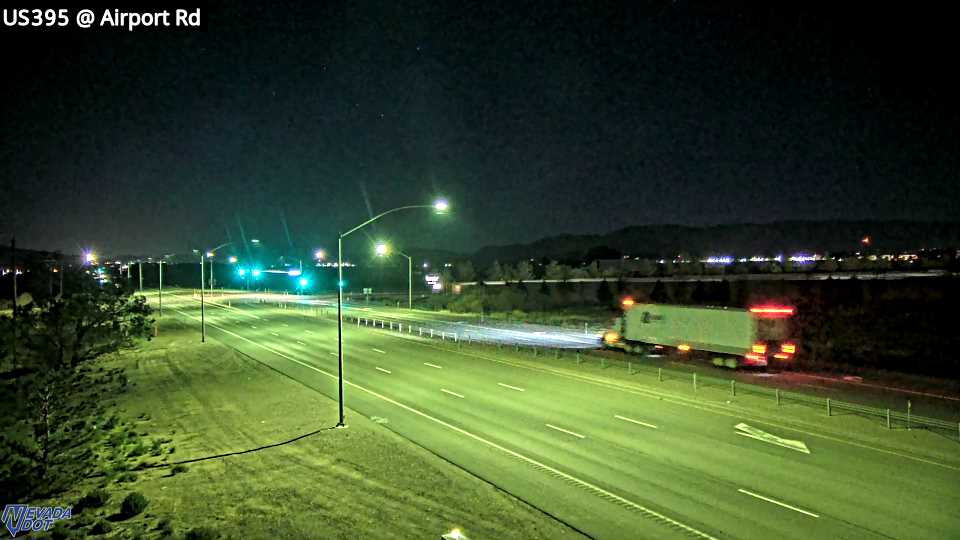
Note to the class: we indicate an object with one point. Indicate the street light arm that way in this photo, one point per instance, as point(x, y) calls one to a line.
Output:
point(380, 215)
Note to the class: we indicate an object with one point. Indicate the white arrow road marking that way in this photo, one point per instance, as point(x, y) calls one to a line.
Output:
point(760, 435)
point(451, 393)
point(625, 419)
point(785, 505)
point(517, 388)
point(551, 426)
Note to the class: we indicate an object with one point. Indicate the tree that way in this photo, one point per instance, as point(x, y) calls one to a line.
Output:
point(523, 271)
point(495, 272)
point(465, 271)
point(659, 293)
point(553, 270)
point(605, 294)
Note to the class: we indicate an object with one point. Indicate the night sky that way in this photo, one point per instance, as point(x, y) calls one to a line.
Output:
point(534, 119)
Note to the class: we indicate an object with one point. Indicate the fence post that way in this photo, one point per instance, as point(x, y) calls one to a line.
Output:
point(578, 357)
point(556, 353)
point(516, 347)
point(828, 406)
point(443, 336)
point(420, 331)
point(909, 406)
point(733, 387)
point(777, 390)
point(694, 382)
point(629, 367)
point(535, 350)
point(888, 418)
point(431, 332)
point(603, 363)
point(358, 322)
point(660, 374)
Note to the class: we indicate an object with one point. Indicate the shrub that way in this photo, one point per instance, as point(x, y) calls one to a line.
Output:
point(101, 527)
point(178, 468)
point(165, 527)
point(133, 504)
point(93, 499)
point(202, 533)
point(127, 477)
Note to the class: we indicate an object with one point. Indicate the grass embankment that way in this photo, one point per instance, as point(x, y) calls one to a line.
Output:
point(205, 401)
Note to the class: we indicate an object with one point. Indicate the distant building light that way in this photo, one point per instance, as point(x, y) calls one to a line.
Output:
point(719, 260)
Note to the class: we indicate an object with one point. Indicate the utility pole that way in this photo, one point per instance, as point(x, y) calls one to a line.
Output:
point(140, 270)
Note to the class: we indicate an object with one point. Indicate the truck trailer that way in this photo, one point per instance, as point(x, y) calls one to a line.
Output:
point(729, 337)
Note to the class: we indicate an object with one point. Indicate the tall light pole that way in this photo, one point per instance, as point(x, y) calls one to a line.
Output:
point(204, 255)
point(384, 249)
point(140, 271)
point(441, 206)
point(160, 287)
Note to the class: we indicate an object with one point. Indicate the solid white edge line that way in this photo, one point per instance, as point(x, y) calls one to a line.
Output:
point(432, 365)
point(451, 393)
point(566, 431)
point(517, 388)
point(597, 490)
point(379, 351)
point(625, 419)
point(387, 371)
point(801, 450)
point(778, 503)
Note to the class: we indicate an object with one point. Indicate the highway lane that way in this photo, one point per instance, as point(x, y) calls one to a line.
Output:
point(495, 332)
point(692, 466)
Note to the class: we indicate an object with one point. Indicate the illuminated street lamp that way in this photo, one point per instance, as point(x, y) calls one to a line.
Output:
point(384, 249)
point(320, 255)
point(440, 206)
point(232, 259)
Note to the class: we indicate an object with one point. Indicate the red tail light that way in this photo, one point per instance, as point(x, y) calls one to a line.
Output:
point(683, 347)
point(753, 358)
point(772, 312)
point(627, 302)
point(788, 348)
point(781, 356)
point(759, 348)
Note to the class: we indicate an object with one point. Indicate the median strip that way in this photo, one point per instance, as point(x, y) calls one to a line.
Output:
point(568, 432)
point(432, 365)
point(517, 388)
point(639, 423)
point(379, 351)
point(444, 390)
point(387, 371)
point(778, 503)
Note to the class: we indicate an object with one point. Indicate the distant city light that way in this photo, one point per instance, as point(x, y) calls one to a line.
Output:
point(89, 257)
point(319, 255)
point(254, 241)
point(719, 260)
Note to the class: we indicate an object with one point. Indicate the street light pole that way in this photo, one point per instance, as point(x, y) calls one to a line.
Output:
point(140, 270)
point(440, 206)
point(340, 423)
point(160, 288)
point(203, 327)
point(409, 282)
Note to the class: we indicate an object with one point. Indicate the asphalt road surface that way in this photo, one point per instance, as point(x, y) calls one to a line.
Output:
point(612, 459)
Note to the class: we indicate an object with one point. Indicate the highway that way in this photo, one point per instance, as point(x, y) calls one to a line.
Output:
point(611, 459)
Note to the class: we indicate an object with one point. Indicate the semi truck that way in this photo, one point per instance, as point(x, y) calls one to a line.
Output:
point(729, 337)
